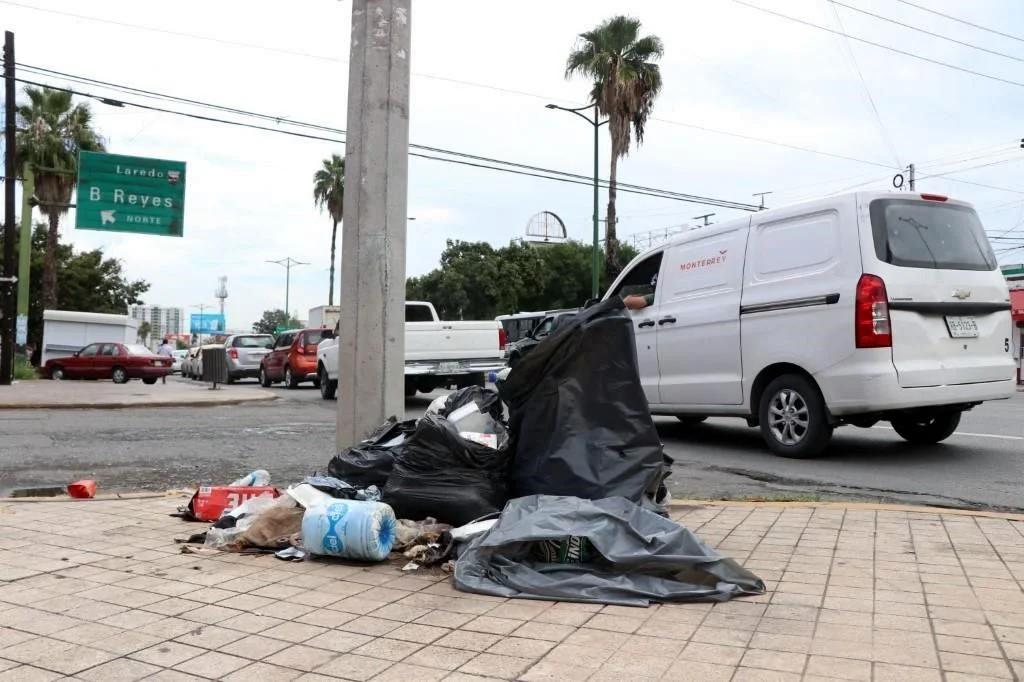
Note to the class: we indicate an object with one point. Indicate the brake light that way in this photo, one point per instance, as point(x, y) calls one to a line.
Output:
point(300, 350)
point(934, 197)
point(502, 338)
point(233, 353)
point(871, 318)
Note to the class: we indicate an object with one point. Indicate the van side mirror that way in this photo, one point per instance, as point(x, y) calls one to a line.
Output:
point(591, 303)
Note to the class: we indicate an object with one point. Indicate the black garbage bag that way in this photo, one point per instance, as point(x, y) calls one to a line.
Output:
point(579, 418)
point(370, 462)
point(438, 473)
point(487, 400)
point(609, 551)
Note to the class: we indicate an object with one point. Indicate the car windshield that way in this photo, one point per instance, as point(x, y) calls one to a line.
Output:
point(928, 234)
point(252, 341)
point(135, 349)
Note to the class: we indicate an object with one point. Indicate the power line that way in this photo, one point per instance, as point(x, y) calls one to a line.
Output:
point(926, 32)
point(962, 21)
point(537, 171)
point(456, 81)
point(905, 53)
point(867, 90)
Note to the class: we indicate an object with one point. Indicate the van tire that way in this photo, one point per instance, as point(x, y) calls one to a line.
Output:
point(327, 387)
point(927, 430)
point(793, 418)
point(691, 419)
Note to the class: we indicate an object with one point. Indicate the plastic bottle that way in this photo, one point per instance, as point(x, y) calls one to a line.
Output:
point(255, 478)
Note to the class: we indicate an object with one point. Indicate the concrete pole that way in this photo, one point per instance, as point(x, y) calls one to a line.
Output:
point(371, 340)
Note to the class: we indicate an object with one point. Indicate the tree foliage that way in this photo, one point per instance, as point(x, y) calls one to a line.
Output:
point(52, 129)
point(89, 283)
point(620, 63)
point(329, 193)
point(477, 281)
point(272, 319)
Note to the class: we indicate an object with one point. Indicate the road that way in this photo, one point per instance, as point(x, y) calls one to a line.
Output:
point(980, 467)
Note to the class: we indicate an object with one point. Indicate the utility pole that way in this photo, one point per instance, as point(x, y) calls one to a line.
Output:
point(910, 176)
point(761, 196)
point(705, 218)
point(371, 343)
point(287, 263)
point(9, 279)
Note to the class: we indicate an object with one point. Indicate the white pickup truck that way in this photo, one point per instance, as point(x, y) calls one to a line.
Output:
point(438, 354)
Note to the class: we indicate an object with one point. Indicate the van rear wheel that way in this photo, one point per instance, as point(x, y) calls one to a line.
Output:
point(794, 422)
point(927, 429)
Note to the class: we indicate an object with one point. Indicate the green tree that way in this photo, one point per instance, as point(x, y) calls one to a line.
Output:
point(626, 81)
point(144, 331)
point(52, 129)
point(272, 319)
point(477, 281)
point(329, 193)
point(89, 283)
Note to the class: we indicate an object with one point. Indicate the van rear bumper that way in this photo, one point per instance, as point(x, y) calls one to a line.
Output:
point(864, 388)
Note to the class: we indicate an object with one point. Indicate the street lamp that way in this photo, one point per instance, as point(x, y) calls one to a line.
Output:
point(287, 263)
point(595, 267)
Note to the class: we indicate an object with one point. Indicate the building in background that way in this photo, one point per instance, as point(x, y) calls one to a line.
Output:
point(162, 321)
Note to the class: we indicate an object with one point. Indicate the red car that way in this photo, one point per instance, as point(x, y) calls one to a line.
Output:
point(117, 361)
point(292, 359)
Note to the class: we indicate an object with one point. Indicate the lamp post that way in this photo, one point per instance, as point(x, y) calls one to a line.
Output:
point(596, 123)
point(287, 263)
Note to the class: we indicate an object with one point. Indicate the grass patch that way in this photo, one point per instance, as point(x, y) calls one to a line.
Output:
point(23, 369)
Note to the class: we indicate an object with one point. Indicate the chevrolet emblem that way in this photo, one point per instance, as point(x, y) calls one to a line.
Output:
point(962, 294)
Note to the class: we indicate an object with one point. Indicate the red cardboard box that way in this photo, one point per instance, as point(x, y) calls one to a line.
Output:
point(210, 503)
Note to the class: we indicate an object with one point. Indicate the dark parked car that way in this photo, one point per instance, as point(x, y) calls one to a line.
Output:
point(116, 361)
point(545, 328)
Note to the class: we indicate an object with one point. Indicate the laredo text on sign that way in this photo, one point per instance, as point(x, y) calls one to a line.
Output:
point(130, 194)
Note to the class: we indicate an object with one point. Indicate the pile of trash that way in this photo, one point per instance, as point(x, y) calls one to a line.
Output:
point(560, 498)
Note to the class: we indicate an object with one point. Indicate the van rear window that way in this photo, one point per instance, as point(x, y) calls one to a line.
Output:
point(928, 234)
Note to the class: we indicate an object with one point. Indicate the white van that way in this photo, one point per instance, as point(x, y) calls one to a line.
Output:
point(855, 309)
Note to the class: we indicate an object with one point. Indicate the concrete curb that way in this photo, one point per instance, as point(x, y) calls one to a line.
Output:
point(120, 405)
point(850, 506)
point(854, 506)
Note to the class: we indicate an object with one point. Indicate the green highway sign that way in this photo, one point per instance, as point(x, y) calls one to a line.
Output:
point(130, 194)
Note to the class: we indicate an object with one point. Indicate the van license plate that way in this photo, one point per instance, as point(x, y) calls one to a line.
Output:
point(962, 327)
point(448, 367)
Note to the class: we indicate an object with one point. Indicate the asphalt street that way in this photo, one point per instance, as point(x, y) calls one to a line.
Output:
point(980, 467)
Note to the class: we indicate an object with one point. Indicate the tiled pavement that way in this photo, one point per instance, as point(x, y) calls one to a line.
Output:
point(98, 591)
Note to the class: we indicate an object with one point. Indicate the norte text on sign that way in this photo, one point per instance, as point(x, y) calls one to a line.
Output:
point(130, 194)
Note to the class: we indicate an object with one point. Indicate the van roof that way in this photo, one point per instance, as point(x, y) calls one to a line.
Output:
point(809, 206)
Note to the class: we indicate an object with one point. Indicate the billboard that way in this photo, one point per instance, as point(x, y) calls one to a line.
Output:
point(206, 323)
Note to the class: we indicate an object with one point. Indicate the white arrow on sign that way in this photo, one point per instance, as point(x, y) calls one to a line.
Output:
point(107, 217)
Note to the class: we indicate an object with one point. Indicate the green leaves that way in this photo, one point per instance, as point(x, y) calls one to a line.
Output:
point(273, 319)
point(478, 282)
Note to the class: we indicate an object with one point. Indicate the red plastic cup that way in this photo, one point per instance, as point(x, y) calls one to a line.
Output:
point(82, 490)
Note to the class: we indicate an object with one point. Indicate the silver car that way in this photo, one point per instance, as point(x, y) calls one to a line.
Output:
point(244, 354)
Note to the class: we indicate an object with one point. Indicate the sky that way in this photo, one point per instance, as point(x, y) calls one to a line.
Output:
point(752, 102)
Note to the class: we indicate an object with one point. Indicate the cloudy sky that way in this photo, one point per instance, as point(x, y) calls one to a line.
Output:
point(752, 102)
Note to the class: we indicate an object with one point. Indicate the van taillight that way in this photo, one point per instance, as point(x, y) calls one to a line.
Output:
point(502, 338)
point(871, 319)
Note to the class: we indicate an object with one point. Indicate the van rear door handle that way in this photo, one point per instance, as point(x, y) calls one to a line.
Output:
point(646, 323)
point(667, 320)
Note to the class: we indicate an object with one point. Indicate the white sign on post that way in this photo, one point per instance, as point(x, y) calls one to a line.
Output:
point(21, 331)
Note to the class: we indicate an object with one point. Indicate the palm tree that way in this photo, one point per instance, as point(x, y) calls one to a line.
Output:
point(329, 193)
point(51, 132)
point(626, 82)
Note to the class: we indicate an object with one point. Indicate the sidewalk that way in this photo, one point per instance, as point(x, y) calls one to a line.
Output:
point(99, 591)
point(105, 395)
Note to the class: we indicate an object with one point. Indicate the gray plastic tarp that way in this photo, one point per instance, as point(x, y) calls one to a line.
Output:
point(643, 557)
